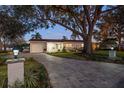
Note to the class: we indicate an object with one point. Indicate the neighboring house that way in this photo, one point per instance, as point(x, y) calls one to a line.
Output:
point(55, 45)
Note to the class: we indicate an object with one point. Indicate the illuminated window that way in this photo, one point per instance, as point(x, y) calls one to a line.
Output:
point(68, 45)
point(82, 45)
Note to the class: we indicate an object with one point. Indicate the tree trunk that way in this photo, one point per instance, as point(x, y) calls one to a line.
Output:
point(87, 46)
point(4, 45)
point(119, 44)
point(0, 45)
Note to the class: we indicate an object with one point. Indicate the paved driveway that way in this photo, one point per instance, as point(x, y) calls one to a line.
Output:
point(75, 73)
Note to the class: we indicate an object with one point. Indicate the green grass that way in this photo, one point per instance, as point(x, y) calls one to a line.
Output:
point(67, 55)
point(120, 54)
point(3, 69)
point(29, 64)
point(3, 73)
point(105, 53)
point(100, 56)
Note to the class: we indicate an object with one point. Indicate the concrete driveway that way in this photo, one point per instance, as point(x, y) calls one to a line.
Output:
point(70, 73)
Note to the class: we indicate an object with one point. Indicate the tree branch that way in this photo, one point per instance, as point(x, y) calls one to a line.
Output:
point(96, 14)
point(74, 15)
point(74, 31)
point(87, 14)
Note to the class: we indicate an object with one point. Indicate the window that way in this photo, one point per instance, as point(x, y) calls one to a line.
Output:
point(56, 46)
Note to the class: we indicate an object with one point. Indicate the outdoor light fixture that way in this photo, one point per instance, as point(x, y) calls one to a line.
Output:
point(112, 53)
point(15, 52)
point(112, 48)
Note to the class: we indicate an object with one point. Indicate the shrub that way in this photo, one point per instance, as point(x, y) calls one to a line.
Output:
point(58, 50)
point(3, 51)
point(2, 60)
point(42, 73)
point(64, 50)
point(43, 77)
point(107, 43)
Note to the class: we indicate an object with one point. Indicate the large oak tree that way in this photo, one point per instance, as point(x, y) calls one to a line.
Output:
point(80, 20)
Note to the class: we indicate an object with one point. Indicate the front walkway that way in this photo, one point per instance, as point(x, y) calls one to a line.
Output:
point(72, 73)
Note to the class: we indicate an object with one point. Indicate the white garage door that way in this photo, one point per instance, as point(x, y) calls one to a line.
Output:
point(37, 47)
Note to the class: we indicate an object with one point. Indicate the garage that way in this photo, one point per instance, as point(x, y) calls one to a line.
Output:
point(37, 46)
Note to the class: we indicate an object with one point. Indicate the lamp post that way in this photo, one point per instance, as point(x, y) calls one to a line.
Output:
point(112, 53)
point(15, 67)
point(112, 48)
point(15, 53)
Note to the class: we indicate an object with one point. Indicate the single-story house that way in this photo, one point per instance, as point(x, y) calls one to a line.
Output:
point(55, 45)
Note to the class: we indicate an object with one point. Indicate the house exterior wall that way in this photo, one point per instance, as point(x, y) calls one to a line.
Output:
point(54, 46)
point(73, 45)
point(44, 46)
point(58, 46)
point(37, 46)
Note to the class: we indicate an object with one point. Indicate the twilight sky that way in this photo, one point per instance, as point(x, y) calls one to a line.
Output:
point(52, 33)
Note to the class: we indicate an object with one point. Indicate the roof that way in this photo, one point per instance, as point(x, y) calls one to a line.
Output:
point(56, 40)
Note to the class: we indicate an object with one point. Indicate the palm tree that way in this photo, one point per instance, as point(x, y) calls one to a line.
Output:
point(36, 36)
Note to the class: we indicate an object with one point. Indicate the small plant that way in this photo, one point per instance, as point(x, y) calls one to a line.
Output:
point(31, 79)
point(17, 84)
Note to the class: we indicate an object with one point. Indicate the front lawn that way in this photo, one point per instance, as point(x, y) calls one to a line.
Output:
point(100, 56)
point(67, 55)
point(105, 53)
point(35, 75)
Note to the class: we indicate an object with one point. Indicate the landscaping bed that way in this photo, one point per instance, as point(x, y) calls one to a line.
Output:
point(35, 75)
point(100, 56)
